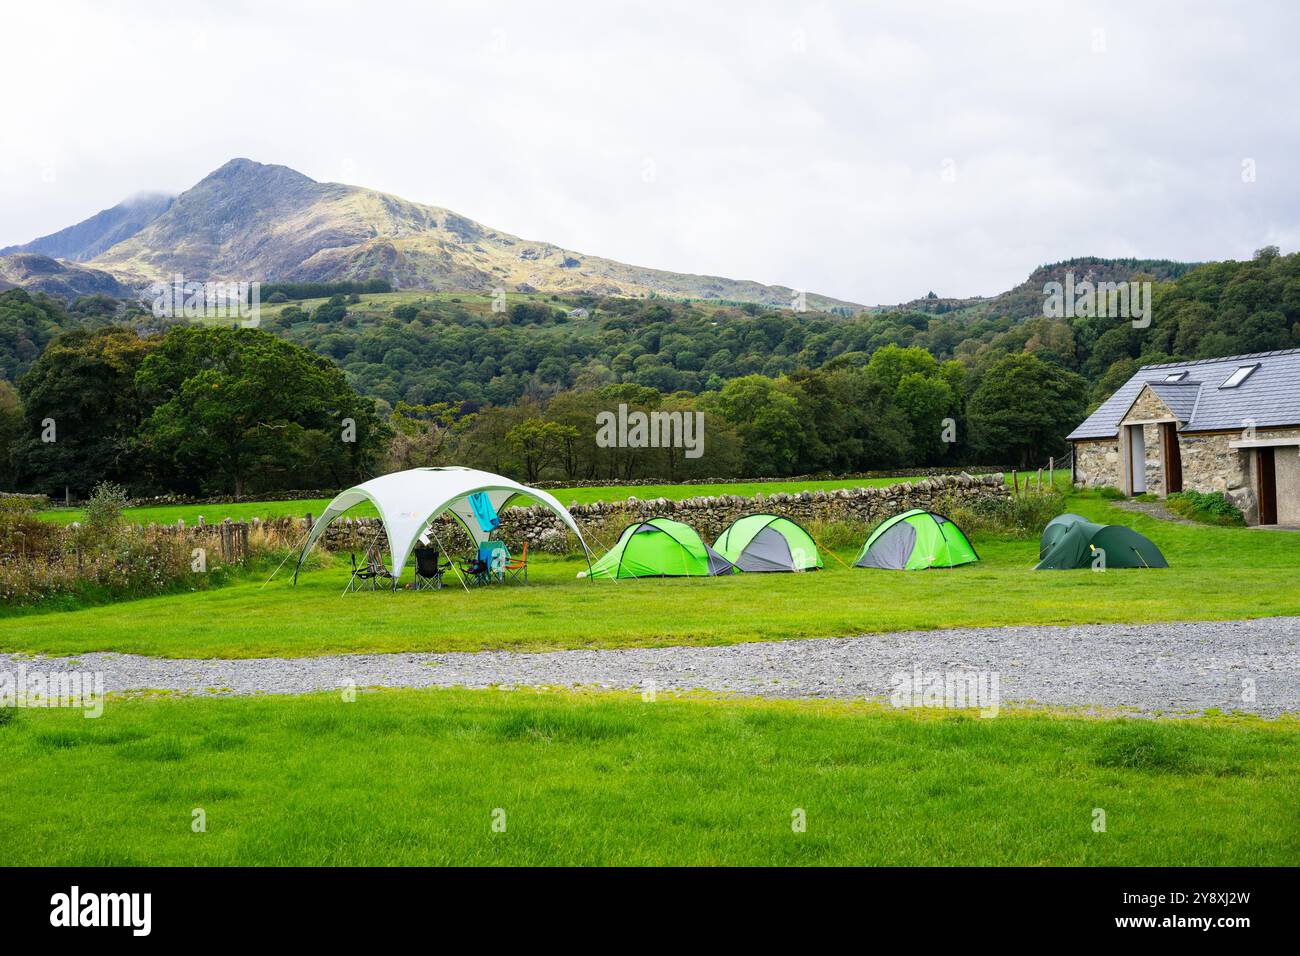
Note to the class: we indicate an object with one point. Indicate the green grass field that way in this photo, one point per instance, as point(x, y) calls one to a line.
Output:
point(418, 777)
point(406, 777)
point(1216, 573)
point(244, 510)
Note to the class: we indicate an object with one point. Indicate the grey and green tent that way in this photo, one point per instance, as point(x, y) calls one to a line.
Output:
point(660, 548)
point(1072, 541)
point(915, 540)
point(768, 543)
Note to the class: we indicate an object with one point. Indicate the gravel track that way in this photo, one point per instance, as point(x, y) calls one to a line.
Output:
point(1147, 668)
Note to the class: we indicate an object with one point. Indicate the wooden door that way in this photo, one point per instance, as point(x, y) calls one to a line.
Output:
point(1267, 477)
point(1173, 458)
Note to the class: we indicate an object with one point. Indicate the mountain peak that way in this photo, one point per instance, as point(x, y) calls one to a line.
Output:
point(241, 169)
point(252, 221)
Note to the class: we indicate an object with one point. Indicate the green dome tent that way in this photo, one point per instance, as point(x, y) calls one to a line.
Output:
point(768, 543)
point(660, 548)
point(915, 540)
point(1072, 541)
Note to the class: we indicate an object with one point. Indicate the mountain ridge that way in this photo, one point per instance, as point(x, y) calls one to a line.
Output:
point(251, 221)
point(83, 241)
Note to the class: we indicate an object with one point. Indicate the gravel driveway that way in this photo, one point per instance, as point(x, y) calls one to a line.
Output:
point(1184, 667)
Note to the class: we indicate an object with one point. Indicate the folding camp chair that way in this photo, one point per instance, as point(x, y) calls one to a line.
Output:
point(361, 576)
point(368, 573)
point(476, 570)
point(496, 557)
point(428, 569)
point(516, 569)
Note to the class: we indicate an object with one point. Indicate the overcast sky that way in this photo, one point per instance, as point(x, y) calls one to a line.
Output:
point(867, 151)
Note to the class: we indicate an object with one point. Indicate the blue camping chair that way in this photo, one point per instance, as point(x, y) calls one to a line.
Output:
point(490, 563)
point(495, 557)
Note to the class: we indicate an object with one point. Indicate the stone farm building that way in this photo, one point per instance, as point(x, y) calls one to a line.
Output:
point(1225, 424)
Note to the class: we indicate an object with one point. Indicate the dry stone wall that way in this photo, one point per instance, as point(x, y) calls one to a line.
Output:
point(709, 515)
point(544, 531)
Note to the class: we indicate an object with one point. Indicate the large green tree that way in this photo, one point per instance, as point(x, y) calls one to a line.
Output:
point(772, 424)
point(11, 426)
point(81, 410)
point(240, 410)
point(1023, 409)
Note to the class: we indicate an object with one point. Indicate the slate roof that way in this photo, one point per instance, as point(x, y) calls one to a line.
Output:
point(1270, 396)
point(1179, 396)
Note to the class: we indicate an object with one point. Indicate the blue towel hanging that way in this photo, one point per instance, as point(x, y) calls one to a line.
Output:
point(484, 513)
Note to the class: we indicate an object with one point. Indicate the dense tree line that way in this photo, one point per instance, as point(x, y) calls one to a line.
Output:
point(900, 408)
point(28, 323)
point(196, 410)
point(438, 351)
point(283, 291)
point(781, 392)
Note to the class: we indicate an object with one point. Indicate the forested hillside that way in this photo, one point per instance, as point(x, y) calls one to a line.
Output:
point(455, 349)
point(453, 378)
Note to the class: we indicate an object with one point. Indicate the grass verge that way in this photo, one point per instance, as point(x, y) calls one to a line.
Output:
point(418, 777)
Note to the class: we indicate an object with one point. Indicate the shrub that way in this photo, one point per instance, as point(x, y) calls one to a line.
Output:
point(838, 534)
point(1022, 516)
point(23, 504)
point(1208, 507)
point(105, 506)
point(41, 561)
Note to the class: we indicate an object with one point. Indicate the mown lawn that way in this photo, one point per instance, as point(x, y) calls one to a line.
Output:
point(244, 510)
point(1216, 573)
point(418, 777)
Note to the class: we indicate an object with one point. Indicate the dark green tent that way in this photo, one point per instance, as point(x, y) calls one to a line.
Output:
point(1072, 541)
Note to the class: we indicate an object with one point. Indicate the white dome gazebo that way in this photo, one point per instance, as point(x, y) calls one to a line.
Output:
point(410, 501)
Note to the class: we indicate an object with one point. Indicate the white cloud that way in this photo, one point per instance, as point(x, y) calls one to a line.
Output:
point(796, 143)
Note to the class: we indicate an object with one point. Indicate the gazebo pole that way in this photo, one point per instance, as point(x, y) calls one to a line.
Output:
point(449, 558)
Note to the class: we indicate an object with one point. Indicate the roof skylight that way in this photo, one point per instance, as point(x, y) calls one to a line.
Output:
point(1239, 376)
point(1176, 376)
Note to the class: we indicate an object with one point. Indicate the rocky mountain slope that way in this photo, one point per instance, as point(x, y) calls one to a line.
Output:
point(250, 221)
point(56, 277)
point(100, 232)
